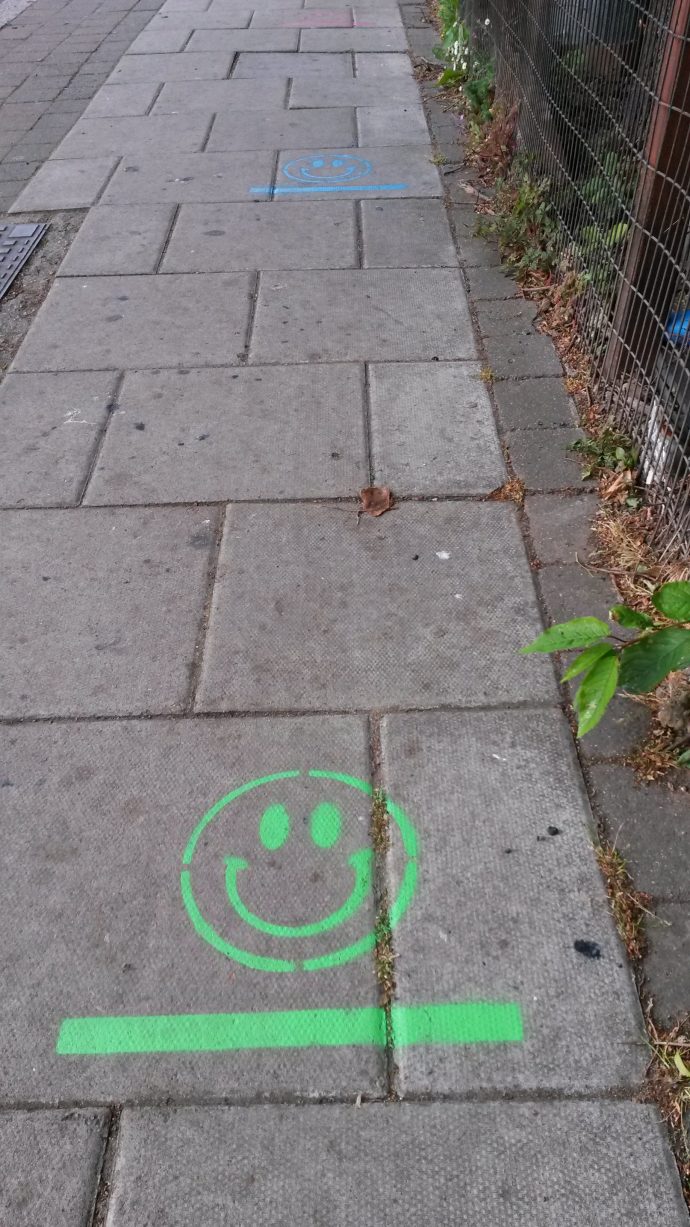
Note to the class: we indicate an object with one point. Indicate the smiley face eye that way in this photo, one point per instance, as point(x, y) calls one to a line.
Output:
point(274, 827)
point(325, 825)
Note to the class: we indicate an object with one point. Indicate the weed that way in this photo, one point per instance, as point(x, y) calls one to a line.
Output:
point(468, 67)
point(524, 223)
point(439, 159)
point(512, 491)
point(486, 374)
point(629, 906)
point(609, 450)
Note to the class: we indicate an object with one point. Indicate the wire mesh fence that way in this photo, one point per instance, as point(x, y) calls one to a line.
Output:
point(602, 93)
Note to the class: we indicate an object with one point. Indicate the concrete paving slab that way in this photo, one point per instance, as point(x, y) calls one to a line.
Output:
point(515, 355)
point(223, 97)
point(393, 171)
point(196, 178)
point(587, 1164)
point(122, 100)
point(667, 970)
point(529, 403)
point(250, 434)
point(49, 426)
point(103, 609)
point(366, 613)
point(561, 528)
point(243, 40)
point(201, 66)
point(96, 823)
point(162, 42)
point(215, 238)
point(502, 899)
point(300, 19)
point(381, 39)
point(253, 129)
point(115, 323)
point(401, 125)
point(406, 234)
point(113, 239)
point(651, 828)
point(357, 93)
point(266, 64)
point(432, 429)
point(49, 1166)
point(386, 17)
point(382, 67)
point(544, 459)
point(365, 314)
point(65, 185)
point(210, 19)
point(135, 135)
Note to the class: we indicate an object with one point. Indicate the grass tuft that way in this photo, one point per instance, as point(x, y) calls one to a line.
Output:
point(630, 907)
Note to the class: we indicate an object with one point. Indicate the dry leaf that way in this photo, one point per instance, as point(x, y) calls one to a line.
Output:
point(374, 500)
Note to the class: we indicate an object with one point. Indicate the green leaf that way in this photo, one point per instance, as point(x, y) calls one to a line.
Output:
point(625, 616)
point(578, 633)
point(680, 1065)
point(646, 662)
point(673, 600)
point(596, 691)
point(586, 659)
point(683, 759)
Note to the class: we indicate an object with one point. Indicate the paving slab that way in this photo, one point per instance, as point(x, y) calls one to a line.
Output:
point(250, 434)
point(394, 171)
point(201, 66)
point(513, 355)
point(114, 239)
point(520, 1165)
point(98, 821)
point(122, 100)
point(115, 323)
point(357, 93)
point(406, 234)
point(65, 185)
point(135, 135)
point(224, 97)
point(49, 1165)
point(164, 41)
point(432, 429)
point(213, 238)
point(196, 178)
point(102, 609)
point(381, 39)
point(274, 129)
point(544, 459)
point(501, 900)
point(561, 528)
point(359, 315)
point(243, 40)
point(209, 19)
point(380, 592)
point(666, 967)
point(299, 19)
point(382, 67)
point(401, 125)
point(49, 428)
point(533, 403)
point(266, 64)
point(650, 825)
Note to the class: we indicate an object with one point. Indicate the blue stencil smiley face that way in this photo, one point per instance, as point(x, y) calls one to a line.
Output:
point(323, 168)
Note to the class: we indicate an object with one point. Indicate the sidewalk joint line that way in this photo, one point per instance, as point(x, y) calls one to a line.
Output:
point(99, 441)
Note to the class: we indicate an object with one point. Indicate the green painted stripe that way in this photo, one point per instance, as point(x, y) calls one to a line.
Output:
point(458, 1023)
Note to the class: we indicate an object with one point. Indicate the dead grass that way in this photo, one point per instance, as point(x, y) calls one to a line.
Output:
point(668, 1085)
point(512, 491)
point(486, 374)
point(384, 957)
point(380, 822)
point(630, 907)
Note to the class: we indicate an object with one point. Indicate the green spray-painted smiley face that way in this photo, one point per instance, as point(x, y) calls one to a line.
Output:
point(275, 827)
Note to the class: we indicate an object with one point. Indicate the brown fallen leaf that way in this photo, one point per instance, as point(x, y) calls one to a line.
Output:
point(374, 500)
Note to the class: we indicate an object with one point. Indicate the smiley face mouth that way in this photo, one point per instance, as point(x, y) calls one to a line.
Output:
point(362, 865)
point(334, 171)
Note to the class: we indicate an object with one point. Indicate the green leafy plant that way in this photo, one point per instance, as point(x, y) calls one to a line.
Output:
point(609, 450)
point(524, 223)
point(467, 66)
point(637, 665)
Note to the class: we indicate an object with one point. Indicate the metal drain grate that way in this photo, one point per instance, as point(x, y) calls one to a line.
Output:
point(17, 241)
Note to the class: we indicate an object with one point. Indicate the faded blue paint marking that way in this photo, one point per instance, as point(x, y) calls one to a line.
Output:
point(299, 191)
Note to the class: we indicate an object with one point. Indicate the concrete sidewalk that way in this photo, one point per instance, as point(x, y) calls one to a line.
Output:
point(240, 986)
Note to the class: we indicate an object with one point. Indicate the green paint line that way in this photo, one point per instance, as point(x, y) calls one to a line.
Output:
point(455, 1023)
